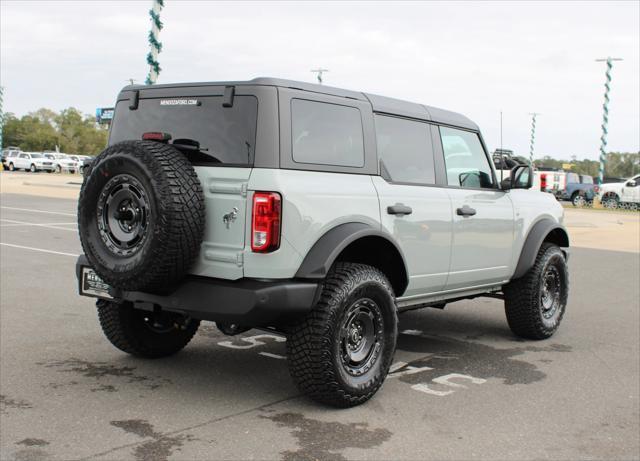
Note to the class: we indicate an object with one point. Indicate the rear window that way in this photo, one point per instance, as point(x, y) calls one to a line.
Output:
point(224, 135)
point(326, 134)
point(586, 179)
point(573, 178)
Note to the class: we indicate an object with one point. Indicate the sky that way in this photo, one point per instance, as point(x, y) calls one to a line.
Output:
point(477, 58)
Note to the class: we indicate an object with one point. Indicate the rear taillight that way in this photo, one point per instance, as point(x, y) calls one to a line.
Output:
point(265, 222)
point(596, 189)
point(543, 182)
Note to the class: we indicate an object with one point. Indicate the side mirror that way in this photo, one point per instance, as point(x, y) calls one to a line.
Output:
point(521, 177)
point(631, 183)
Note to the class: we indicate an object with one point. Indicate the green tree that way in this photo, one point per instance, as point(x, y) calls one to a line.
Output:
point(70, 131)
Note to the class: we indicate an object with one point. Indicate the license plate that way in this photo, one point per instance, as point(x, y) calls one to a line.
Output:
point(92, 285)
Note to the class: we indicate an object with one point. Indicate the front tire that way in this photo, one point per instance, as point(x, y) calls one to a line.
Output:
point(143, 333)
point(536, 303)
point(341, 352)
point(32, 168)
point(11, 167)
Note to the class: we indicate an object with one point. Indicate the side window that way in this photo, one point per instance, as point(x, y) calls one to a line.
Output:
point(24, 156)
point(405, 150)
point(465, 160)
point(326, 134)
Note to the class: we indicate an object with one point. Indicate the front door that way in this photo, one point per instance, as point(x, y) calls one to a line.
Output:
point(631, 190)
point(483, 219)
point(415, 212)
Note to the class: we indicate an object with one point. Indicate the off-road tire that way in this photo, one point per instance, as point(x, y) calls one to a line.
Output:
point(523, 297)
point(126, 328)
point(171, 229)
point(314, 345)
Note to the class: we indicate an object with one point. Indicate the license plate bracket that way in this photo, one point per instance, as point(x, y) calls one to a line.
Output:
point(92, 285)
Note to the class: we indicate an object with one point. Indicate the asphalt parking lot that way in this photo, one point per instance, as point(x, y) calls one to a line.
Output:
point(463, 387)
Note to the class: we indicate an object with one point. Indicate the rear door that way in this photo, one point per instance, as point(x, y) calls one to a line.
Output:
point(218, 134)
point(412, 208)
point(483, 216)
point(23, 161)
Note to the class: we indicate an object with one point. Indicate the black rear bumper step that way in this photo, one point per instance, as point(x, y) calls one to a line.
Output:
point(245, 301)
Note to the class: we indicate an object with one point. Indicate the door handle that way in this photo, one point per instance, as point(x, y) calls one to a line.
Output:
point(399, 209)
point(466, 211)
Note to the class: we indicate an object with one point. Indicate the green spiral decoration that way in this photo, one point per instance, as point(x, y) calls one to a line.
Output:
point(1, 115)
point(155, 46)
point(605, 122)
point(533, 137)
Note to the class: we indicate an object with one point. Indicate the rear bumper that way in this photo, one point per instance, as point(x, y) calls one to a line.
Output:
point(246, 302)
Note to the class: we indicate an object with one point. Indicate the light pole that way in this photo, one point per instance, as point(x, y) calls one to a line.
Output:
point(605, 115)
point(154, 43)
point(319, 73)
point(533, 135)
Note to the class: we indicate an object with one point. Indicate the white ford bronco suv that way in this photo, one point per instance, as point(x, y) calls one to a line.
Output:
point(313, 211)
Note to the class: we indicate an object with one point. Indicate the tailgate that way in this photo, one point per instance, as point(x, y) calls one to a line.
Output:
point(225, 193)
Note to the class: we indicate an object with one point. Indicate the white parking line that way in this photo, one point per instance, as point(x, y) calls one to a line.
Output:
point(37, 211)
point(41, 250)
point(14, 223)
point(273, 356)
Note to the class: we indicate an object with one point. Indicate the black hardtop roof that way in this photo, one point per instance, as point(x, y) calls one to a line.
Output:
point(379, 103)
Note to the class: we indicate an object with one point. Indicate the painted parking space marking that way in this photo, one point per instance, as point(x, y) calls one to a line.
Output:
point(37, 211)
point(41, 250)
point(14, 223)
point(273, 356)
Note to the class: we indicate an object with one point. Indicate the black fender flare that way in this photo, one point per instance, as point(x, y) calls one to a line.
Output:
point(327, 248)
point(538, 233)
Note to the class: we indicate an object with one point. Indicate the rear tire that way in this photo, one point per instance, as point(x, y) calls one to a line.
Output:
point(142, 333)
point(578, 200)
point(536, 303)
point(341, 352)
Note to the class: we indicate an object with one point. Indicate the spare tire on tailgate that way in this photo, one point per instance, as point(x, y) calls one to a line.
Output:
point(141, 216)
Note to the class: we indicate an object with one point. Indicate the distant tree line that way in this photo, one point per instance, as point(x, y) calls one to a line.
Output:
point(619, 165)
point(69, 130)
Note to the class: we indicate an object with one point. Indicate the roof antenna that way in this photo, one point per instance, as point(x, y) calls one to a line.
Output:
point(319, 73)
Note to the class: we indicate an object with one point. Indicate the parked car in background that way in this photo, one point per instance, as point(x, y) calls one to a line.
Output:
point(549, 180)
point(30, 161)
point(625, 193)
point(85, 166)
point(62, 162)
point(579, 189)
point(7, 154)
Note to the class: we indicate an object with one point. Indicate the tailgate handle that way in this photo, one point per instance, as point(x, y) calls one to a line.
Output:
point(399, 209)
point(466, 211)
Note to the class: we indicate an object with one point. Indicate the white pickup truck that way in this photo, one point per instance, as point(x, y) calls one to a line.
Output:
point(621, 194)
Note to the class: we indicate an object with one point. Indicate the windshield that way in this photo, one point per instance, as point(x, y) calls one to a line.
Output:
point(220, 134)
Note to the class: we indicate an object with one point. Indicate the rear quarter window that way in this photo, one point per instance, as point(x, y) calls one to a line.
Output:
point(326, 134)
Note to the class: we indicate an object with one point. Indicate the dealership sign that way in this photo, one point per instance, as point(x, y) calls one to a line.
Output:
point(104, 114)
